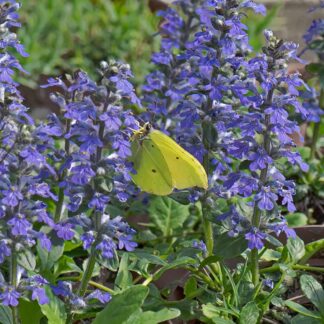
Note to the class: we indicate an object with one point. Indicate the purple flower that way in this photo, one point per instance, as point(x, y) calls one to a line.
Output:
point(40, 295)
point(62, 288)
point(10, 297)
point(122, 146)
point(254, 238)
point(64, 231)
point(315, 29)
point(282, 227)
point(107, 247)
point(112, 123)
point(81, 174)
point(41, 189)
point(260, 160)
point(200, 245)
point(268, 283)
point(4, 251)
point(11, 197)
point(98, 201)
point(125, 242)
point(45, 242)
point(265, 198)
point(19, 225)
point(87, 239)
point(103, 297)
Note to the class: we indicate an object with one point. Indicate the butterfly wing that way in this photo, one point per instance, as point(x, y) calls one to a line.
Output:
point(186, 171)
point(152, 172)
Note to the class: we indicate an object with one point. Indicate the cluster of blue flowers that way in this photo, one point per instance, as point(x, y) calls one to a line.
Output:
point(314, 39)
point(92, 162)
point(22, 186)
point(231, 109)
point(83, 153)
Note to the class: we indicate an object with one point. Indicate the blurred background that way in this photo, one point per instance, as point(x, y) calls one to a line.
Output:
point(62, 36)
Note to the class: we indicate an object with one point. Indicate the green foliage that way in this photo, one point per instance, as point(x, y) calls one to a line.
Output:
point(313, 290)
point(5, 315)
point(126, 308)
point(47, 259)
point(167, 215)
point(62, 36)
point(250, 313)
point(54, 311)
point(29, 312)
point(227, 247)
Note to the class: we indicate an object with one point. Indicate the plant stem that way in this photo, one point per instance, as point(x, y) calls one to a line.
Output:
point(275, 268)
point(14, 282)
point(316, 129)
point(59, 206)
point(97, 219)
point(101, 287)
point(208, 232)
point(208, 227)
point(256, 218)
point(88, 272)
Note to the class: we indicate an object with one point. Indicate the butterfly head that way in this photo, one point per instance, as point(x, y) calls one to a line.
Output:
point(142, 132)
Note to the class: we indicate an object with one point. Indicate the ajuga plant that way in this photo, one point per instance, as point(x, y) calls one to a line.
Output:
point(314, 98)
point(233, 110)
point(22, 186)
point(164, 86)
point(92, 167)
point(309, 196)
point(58, 178)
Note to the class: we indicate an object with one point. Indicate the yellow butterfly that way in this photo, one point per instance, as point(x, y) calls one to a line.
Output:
point(162, 165)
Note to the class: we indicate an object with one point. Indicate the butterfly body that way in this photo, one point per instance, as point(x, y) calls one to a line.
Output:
point(162, 165)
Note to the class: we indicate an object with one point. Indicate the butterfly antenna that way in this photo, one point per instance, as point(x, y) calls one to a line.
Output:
point(141, 120)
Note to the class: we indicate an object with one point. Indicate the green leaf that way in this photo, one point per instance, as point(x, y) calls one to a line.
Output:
point(149, 317)
point(250, 313)
point(271, 255)
point(300, 319)
point(111, 264)
point(149, 257)
point(226, 247)
point(29, 312)
point(71, 245)
point(301, 309)
point(220, 320)
point(5, 315)
point(122, 306)
point(209, 260)
point(48, 258)
point(315, 68)
point(313, 291)
point(124, 277)
point(54, 310)
point(27, 260)
point(296, 248)
point(167, 214)
point(296, 219)
point(190, 288)
point(180, 262)
point(311, 249)
point(65, 265)
point(273, 241)
point(213, 312)
point(245, 292)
